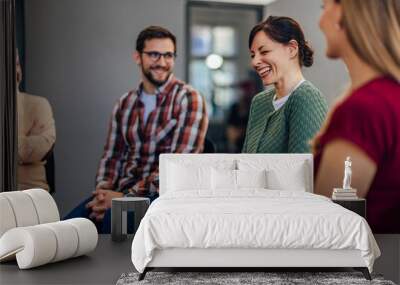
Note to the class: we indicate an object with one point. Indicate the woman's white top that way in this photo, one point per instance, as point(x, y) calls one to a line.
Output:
point(278, 103)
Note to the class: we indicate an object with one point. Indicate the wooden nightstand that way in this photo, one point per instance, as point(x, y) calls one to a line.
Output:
point(358, 206)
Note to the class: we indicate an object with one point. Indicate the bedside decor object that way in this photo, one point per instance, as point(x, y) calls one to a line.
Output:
point(347, 192)
point(342, 194)
point(347, 174)
point(119, 208)
point(31, 231)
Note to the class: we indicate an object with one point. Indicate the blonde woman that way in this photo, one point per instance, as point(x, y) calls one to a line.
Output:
point(365, 123)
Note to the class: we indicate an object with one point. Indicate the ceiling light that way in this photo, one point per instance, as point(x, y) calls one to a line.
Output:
point(214, 61)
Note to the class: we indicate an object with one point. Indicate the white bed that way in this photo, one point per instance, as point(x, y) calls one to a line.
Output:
point(209, 222)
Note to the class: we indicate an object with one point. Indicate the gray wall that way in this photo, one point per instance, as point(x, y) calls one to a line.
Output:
point(78, 56)
point(330, 76)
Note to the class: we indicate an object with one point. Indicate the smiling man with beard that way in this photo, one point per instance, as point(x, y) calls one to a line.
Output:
point(164, 115)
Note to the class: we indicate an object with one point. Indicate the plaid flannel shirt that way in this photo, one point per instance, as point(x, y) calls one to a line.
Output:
point(178, 124)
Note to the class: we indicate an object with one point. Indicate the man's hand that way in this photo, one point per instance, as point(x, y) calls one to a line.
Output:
point(139, 187)
point(105, 196)
point(101, 202)
point(97, 209)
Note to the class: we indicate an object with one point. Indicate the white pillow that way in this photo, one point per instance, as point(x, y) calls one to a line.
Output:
point(291, 179)
point(251, 178)
point(281, 174)
point(188, 177)
point(224, 179)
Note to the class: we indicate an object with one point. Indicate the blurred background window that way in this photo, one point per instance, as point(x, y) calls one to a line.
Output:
point(219, 67)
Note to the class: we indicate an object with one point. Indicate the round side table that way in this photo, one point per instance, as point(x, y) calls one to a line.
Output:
point(119, 208)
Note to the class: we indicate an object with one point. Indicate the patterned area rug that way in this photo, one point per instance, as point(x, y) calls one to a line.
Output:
point(229, 278)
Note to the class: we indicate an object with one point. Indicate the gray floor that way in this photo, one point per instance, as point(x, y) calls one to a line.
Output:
point(110, 259)
point(389, 263)
point(103, 266)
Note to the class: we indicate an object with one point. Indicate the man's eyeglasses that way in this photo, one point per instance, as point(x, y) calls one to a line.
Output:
point(155, 55)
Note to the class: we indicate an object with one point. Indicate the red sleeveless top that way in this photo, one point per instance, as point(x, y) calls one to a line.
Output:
point(370, 119)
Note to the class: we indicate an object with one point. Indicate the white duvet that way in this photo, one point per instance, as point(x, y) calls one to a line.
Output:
point(252, 218)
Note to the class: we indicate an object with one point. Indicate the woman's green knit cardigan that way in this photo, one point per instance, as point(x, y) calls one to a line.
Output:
point(288, 129)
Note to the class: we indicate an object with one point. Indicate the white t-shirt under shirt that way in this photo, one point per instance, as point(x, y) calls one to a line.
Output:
point(278, 103)
point(150, 102)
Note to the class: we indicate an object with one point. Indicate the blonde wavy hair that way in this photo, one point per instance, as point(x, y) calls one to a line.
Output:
point(373, 30)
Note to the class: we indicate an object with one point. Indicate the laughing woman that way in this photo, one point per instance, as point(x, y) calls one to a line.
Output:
point(284, 118)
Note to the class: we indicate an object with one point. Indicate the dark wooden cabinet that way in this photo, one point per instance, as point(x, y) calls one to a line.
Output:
point(358, 206)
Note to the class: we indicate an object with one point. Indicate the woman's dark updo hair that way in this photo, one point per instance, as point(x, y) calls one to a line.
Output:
point(283, 30)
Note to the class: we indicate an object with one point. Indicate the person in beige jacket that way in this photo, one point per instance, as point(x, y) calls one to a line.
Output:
point(36, 137)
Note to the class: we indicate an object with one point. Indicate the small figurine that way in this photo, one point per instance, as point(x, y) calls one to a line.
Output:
point(347, 174)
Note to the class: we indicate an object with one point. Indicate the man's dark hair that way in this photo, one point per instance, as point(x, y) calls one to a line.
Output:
point(153, 32)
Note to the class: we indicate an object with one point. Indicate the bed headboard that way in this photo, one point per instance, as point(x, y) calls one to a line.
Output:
point(214, 159)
